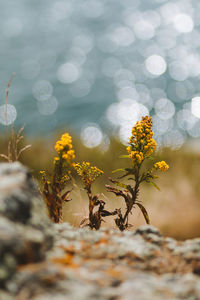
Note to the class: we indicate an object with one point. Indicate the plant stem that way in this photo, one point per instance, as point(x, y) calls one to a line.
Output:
point(134, 194)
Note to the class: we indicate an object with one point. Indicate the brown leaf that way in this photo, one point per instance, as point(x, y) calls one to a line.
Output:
point(143, 210)
point(22, 150)
point(65, 196)
point(4, 156)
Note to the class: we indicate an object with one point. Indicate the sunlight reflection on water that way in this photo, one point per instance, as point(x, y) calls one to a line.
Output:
point(103, 60)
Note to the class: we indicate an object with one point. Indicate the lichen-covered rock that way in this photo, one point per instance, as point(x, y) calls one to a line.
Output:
point(109, 264)
point(25, 229)
point(20, 200)
point(146, 230)
point(148, 286)
point(190, 249)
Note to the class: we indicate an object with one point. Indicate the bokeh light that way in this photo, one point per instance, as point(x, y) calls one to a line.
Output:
point(178, 71)
point(195, 106)
point(47, 107)
point(183, 23)
point(68, 73)
point(99, 65)
point(173, 139)
point(185, 119)
point(156, 65)
point(42, 90)
point(8, 114)
point(123, 36)
point(164, 108)
point(84, 41)
point(91, 136)
point(144, 29)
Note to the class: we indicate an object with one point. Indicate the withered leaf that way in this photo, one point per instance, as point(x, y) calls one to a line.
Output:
point(144, 212)
point(65, 196)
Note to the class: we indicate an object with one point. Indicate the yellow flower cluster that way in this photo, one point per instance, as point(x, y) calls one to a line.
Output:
point(136, 156)
point(64, 148)
point(141, 142)
point(88, 173)
point(161, 165)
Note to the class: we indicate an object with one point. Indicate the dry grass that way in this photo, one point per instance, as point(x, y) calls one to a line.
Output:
point(14, 148)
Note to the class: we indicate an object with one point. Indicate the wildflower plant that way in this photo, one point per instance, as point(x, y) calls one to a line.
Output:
point(53, 191)
point(141, 147)
point(88, 175)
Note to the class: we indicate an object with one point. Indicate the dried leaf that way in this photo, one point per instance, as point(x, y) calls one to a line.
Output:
point(129, 171)
point(4, 156)
point(65, 196)
point(22, 150)
point(106, 213)
point(119, 170)
point(82, 223)
point(120, 184)
point(154, 184)
point(144, 212)
point(6, 97)
point(111, 189)
point(18, 139)
point(20, 131)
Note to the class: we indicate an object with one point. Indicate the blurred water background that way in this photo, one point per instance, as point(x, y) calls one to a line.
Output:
point(96, 66)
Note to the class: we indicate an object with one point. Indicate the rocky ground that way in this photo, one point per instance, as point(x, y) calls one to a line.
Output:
point(42, 261)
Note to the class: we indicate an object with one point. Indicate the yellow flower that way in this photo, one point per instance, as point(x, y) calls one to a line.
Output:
point(161, 165)
point(136, 156)
point(64, 148)
point(87, 173)
point(141, 141)
point(128, 149)
point(69, 155)
point(56, 159)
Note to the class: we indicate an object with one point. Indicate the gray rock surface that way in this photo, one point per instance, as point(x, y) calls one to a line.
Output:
point(42, 261)
point(25, 229)
point(20, 200)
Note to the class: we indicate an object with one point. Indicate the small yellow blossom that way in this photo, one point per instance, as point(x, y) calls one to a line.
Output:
point(56, 159)
point(128, 149)
point(69, 155)
point(161, 165)
point(88, 173)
